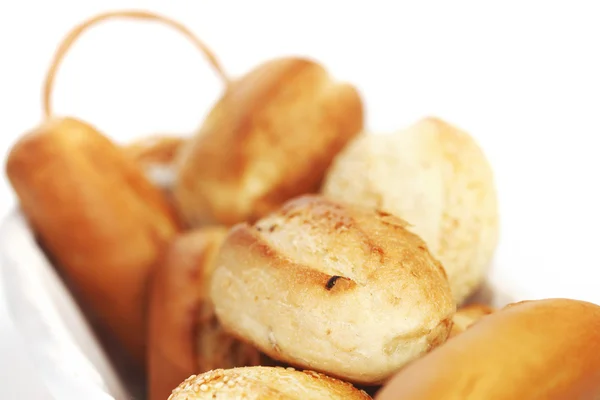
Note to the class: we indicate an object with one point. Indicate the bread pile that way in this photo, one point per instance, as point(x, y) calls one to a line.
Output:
point(297, 255)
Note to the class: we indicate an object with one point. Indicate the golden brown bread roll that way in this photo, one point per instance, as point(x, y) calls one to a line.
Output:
point(155, 150)
point(270, 137)
point(467, 316)
point(156, 155)
point(97, 215)
point(265, 383)
point(437, 178)
point(185, 337)
point(534, 350)
point(342, 289)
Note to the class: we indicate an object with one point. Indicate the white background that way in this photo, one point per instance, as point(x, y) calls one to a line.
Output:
point(522, 76)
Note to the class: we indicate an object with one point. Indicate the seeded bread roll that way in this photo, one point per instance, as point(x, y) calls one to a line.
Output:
point(265, 383)
point(342, 289)
point(467, 316)
point(535, 350)
point(185, 336)
point(270, 137)
point(437, 178)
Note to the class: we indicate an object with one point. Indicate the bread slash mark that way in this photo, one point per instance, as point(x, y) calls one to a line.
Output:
point(331, 282)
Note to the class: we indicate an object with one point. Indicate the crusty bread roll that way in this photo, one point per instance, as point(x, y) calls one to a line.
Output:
point(270, 137)
point(436, 177)
point(534, 350)
point(265, 383)
point(467, 316)
point(98, 216)
point(342, 289)
point(185, 336)
point(155, 150)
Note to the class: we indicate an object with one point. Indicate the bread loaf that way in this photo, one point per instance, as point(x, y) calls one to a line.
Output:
point(270, 137)
point(534, 350)
point(265, 383)
point(467, 316)
point(185, 336)
point(98, 216)
point(155, 150)
point(437, 178)
point(342, 289)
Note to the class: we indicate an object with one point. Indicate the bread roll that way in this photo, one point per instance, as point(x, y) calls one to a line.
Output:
point(185, 337)
point(534, 350)
point(437, 178)
point(155, 150)
point(342, 289)
point(265, 383)
point(270, 137)
point(467, 316)
point(98, 216)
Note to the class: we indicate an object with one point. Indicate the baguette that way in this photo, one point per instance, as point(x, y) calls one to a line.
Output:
point(534, 350)
point(98, 216)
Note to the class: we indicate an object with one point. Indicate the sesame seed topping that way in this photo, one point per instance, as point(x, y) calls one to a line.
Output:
point(219, 385)
point(203, 387)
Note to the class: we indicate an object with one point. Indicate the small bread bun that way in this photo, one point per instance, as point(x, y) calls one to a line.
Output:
point(155, 150)
point(467, 316)
point(534, 350)
point(265, 383)
point(342, 289)
point(270, 137)
point(98, 216)
point(184, 335)
point(437, 178)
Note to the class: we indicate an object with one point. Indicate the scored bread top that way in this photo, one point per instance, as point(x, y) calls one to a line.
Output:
point(342, 289)
point(265, 383)
point(270, 137)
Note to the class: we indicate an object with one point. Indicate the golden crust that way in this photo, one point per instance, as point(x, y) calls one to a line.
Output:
point(535, 350)
point(161, 150)
point(467, 316)
point(437, 178)
point(99, 217)
point(265, 383)
point(185, 337)
point(270, 137)
point(336, 288)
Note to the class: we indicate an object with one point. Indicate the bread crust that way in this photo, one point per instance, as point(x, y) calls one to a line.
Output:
point(536, 350)
point(342, 289)
point(97, 215)
point(155, 150)
point(467, 316)
point(265, 383)
point(185, 337)
point(269, 138)
point(436, 177)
